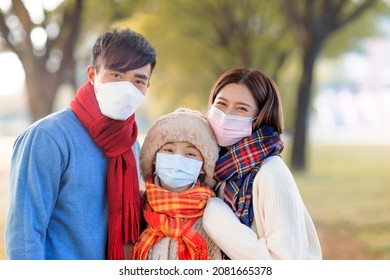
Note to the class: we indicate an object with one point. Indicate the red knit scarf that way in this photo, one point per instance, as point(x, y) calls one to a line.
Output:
point(172, 215)
point(116, 139)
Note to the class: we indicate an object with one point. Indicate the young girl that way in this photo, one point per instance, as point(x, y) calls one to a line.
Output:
point(177, 163)
point(261, 214)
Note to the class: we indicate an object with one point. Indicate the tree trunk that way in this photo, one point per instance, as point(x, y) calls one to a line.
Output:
point(314, 22)
point(298, 159)
point(41, 83)
point(41, 90)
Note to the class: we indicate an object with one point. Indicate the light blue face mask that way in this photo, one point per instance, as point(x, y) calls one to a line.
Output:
point(176, 170)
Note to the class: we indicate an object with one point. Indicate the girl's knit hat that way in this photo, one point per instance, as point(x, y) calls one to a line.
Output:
point(181, 125)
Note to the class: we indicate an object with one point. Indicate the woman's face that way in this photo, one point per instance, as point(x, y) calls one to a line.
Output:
point(236, 99)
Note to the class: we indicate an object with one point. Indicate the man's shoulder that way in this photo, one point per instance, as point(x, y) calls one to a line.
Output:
point(64, 115)
point(61, 122)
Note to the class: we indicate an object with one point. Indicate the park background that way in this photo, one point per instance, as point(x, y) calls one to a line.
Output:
point(330, 59)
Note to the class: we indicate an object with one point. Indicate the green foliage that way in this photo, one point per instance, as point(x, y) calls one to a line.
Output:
point(103, 14)
point(197, 40)
point(353, 34)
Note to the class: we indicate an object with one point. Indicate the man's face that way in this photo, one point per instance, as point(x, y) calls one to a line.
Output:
point(138, 77)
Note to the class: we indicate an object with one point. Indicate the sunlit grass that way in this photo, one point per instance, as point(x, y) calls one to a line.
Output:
point(348, 189)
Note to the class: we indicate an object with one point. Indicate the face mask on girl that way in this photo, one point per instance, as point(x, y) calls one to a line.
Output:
point(176, 170)
point(118, 100)
point(228, 129)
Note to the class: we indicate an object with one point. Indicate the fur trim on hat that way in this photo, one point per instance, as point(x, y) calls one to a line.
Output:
point(180, 125)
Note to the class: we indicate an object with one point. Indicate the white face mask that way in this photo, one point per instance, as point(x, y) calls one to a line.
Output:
point(228, 129)
point(118, 100)
point(176, 170)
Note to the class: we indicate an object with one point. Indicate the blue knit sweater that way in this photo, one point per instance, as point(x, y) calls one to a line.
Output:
point(57, 193)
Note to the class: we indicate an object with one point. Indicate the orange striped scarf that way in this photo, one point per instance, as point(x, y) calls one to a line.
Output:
point(172, 215)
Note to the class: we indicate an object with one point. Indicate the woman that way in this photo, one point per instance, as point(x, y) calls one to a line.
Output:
point(259, 213)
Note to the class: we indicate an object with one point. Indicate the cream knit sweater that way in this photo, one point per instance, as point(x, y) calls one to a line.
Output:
point(282, 227)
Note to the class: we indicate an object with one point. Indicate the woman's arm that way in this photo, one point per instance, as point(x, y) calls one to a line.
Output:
point(234, 238)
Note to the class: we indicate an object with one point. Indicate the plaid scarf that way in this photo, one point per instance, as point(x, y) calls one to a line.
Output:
point(115, 138)
point(239, 166)
point(172, 215)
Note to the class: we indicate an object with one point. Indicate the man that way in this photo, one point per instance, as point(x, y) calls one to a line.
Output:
point(74, 191)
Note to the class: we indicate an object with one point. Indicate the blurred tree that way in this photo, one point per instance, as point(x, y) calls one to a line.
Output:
point(49, 62)
point(314, 22)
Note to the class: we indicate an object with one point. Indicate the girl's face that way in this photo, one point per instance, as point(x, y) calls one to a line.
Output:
point(236, 99)
point(186, 149)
